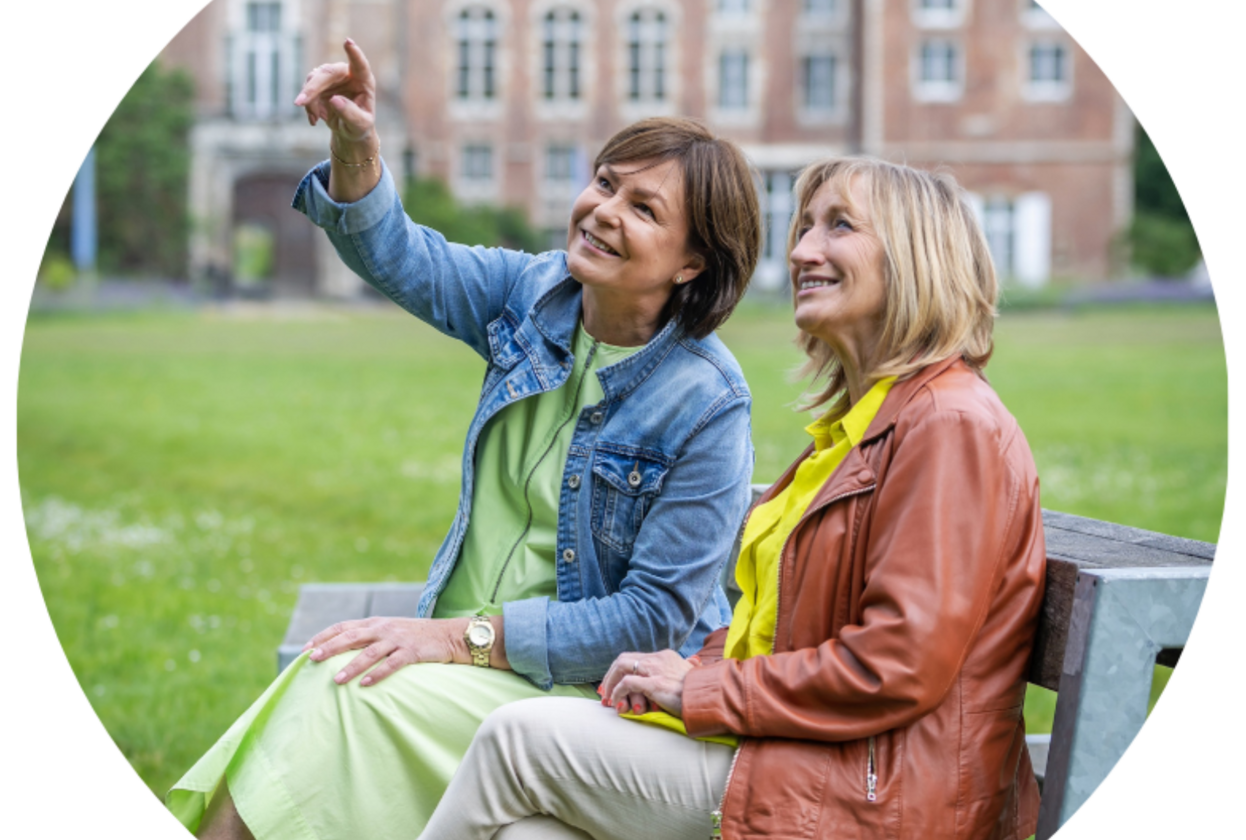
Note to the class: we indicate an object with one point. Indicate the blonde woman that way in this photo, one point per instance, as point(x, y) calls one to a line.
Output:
point(871, 681)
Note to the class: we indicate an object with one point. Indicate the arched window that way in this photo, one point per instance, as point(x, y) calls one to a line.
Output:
point(263, 54)
point(477, 59)
point(646, 55)
point(560, 58)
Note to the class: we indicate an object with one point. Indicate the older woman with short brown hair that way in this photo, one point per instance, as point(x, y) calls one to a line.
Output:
point(871, 682)
point(605, 471)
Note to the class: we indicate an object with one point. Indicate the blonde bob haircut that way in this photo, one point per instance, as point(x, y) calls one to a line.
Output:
point(940, 282)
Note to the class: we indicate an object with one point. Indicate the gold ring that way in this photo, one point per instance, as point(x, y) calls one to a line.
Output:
point(636, 668)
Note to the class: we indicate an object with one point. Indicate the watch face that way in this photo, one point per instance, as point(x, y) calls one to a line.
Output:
point(480, 635)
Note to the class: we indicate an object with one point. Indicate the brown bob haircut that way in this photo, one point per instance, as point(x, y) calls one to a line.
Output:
point(938, 277)
point(720, 203)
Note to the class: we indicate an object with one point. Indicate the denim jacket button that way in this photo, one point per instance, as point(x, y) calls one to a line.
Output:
point(633, 479)
point(568, 555)
point(574, 482)
point(596, 418)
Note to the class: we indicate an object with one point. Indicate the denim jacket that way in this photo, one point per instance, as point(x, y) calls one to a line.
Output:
point(656, 481)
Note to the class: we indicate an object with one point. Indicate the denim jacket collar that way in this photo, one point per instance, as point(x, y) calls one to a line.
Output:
point(555, 317)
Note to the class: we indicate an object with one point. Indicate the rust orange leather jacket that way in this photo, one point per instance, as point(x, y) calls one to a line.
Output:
point(909, 593)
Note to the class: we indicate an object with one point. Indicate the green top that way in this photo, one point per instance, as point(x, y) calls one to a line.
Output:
point(512, 536)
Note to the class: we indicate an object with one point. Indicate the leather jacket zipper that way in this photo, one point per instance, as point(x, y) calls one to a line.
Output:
point(716, 817)
point(871, 776)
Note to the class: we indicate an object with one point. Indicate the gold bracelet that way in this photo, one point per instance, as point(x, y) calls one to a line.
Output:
point(368, 161)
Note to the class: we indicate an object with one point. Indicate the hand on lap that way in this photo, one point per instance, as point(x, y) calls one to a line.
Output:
point(637, 682)
point(390, 644)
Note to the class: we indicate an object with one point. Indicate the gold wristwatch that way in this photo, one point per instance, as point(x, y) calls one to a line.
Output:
point(479, 638)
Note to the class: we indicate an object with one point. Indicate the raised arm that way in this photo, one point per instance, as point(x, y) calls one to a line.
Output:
point(457, 289)
point(343, 95)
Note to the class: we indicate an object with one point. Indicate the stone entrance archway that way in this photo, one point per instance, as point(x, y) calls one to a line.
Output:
point(262, 205)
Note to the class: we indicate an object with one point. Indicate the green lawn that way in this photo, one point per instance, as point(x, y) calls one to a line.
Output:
point(183, 473)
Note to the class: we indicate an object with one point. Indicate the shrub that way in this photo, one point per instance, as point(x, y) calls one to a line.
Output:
point(428, 201)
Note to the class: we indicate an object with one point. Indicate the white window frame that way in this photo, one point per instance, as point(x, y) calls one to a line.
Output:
point(470, 184)
point(742, 31)
point(819, 34)
point(778, 203)
point(938, 90)
point(477, 105)
point(562, 108)
point(647, 73)
point(562, 55)
point(733, 79)
point(263, 66)
point(1034, 16)
point(812, 109)
point(822, 11)
point(475, 45)
point(733, 8)
point(658, 58)
point(1018, 232)
point(940, 14)
point(560, 177)
point(1046, 90)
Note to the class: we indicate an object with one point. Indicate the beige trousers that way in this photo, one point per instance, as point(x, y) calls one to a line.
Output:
point(562, 767)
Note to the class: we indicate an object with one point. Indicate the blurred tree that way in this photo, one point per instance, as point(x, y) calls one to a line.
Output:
point(1161, 237)
point(428, 201)
point(142, 170)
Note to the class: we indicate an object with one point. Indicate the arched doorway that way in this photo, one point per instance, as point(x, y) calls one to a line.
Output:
point(274, 248)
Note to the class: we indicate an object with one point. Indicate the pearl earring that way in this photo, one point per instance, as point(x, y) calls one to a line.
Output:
point(679, 279)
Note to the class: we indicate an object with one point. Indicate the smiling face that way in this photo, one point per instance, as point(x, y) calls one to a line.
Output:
point(628, 238)
point(837, 274)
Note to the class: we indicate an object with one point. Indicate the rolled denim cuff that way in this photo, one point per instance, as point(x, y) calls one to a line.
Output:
point(312, 200)
point(527, 647)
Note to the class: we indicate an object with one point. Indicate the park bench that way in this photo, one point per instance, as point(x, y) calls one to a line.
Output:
point(1118, 600)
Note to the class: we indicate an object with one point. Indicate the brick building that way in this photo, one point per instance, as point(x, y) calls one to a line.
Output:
point(508, 101)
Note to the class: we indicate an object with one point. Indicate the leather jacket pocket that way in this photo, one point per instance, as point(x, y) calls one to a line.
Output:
point(624, 487)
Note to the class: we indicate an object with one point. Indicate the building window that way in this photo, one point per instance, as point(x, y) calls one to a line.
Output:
point(733, 7)
point(477, 163)
point(263, 58)
point(477, 54)
point(938, 62)
point(818, 82)
point(1018, 232)
point(820, 8)
point(1036, 17)
point(938, 72)
point(997, 224)
point(776, 208)
point(939, 14)
point(1048, 64)
point(733, 80)
point(560, 60)
point(646, 56)
point(1048, 72)
point(560, 164)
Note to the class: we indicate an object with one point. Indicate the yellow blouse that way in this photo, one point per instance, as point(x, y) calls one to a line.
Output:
point(757, 571)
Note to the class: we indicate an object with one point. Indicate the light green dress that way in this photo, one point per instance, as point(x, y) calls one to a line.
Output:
point(312, 760)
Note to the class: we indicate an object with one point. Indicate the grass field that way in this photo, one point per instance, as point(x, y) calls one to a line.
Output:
point(183, 473)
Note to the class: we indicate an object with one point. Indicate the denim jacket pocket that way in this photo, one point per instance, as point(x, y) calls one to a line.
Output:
point(504, 351)
point(624, 485)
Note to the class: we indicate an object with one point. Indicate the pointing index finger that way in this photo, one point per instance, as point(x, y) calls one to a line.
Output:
point(359, 67)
